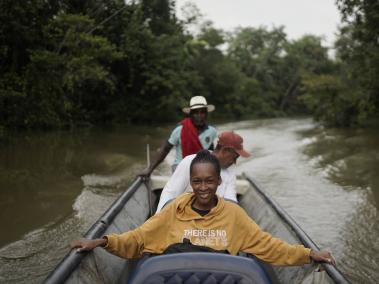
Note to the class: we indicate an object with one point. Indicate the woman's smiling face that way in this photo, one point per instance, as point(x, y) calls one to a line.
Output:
point(204, 181)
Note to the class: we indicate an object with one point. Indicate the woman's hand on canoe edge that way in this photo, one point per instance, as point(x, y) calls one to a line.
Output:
point(87, 245)
point(322, 256)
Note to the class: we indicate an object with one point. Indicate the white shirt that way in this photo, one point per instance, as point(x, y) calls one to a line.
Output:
point(180, 183)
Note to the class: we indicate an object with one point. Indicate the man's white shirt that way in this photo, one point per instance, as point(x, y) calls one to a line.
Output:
point(180, 183)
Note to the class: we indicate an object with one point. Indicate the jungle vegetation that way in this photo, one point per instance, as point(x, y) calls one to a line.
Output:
point(67, 63)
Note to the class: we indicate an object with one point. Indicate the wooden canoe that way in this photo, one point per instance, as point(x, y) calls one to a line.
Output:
point(133, 207)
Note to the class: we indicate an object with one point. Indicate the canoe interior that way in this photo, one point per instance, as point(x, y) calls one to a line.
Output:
point(100, 266)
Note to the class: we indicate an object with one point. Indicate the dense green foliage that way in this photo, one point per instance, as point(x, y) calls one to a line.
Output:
point(67, 62)
point(350, 95)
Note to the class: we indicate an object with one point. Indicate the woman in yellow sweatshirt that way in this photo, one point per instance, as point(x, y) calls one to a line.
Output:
point(205, 220)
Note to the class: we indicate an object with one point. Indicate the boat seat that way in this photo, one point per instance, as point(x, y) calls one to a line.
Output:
point(199, 268)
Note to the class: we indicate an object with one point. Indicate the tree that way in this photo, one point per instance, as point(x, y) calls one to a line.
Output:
point(21, 25)
point(304, 58)
point(159, 15)
point(330, 100)
point(358, 50)
point(69, 81)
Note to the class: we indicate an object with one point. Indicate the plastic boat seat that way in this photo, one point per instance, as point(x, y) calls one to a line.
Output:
point(202, 267)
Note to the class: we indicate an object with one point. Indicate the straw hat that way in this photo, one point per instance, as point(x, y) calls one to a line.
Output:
point(198, 102)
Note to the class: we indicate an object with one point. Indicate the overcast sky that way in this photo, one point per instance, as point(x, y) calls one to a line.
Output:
point(299, 17)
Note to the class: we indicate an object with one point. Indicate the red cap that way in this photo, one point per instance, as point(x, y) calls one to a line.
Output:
point(233, 140)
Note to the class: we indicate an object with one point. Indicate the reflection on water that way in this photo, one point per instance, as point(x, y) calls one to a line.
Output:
point(54, 186)
point(361, 254)
point(41, 174)
point(350, 158)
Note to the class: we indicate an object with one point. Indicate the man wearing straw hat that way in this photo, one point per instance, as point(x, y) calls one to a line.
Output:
point(190, 136)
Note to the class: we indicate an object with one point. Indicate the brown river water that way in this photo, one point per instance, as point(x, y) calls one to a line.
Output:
point(53, 186)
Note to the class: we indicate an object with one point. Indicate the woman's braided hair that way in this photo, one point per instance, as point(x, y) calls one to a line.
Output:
point(205, 156)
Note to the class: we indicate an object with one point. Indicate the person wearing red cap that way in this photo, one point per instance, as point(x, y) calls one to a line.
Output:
point(229, 147)
point(190, 136)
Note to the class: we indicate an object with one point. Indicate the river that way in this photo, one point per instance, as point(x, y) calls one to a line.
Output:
point(53, 186)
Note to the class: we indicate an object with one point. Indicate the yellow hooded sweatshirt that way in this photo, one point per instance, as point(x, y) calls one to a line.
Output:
point(225, 227)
